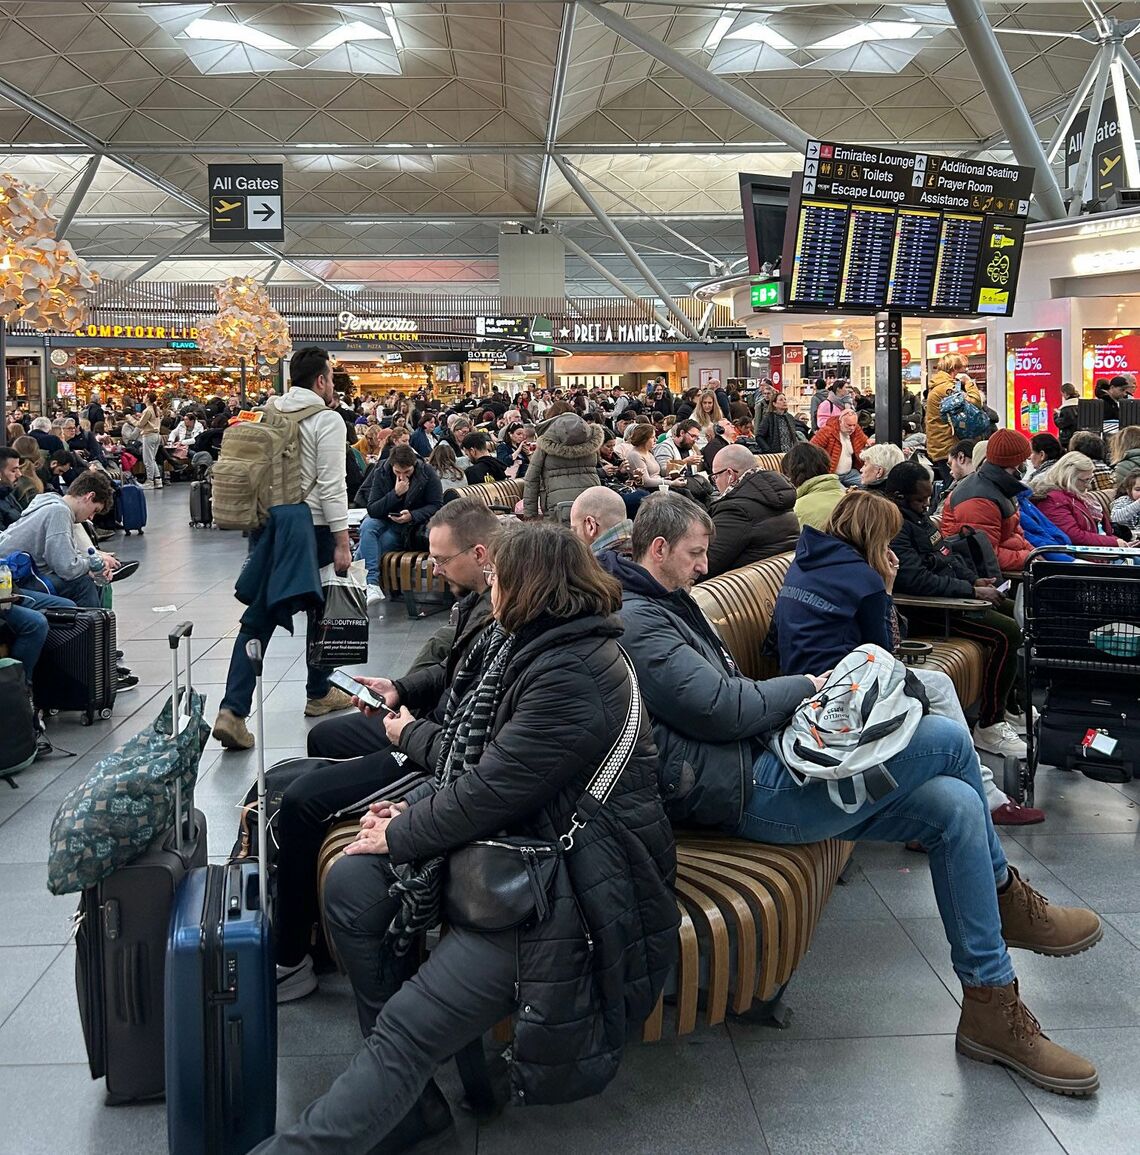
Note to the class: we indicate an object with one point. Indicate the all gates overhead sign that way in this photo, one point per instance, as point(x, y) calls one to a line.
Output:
point(245, 202)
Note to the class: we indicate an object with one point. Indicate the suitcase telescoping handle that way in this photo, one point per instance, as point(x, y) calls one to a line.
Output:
point(177, 720)
point(253, 652)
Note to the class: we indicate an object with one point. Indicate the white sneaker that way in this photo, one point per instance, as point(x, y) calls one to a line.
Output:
point(1017, 721)
point(1001, 739)
point(375, 597)
point(297, 981)
point(157, 483)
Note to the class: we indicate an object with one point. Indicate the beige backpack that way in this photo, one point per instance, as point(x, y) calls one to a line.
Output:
point(259, 466)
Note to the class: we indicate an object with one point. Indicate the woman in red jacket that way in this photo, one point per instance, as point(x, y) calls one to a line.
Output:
point(1062, 495)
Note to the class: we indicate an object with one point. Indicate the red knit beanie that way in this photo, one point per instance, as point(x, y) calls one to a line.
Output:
point(1007, 447)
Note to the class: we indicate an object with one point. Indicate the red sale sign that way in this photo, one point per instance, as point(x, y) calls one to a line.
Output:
point(1032, 381)
point(1108, 353)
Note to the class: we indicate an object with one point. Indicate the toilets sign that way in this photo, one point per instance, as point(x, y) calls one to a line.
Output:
point(245, 203)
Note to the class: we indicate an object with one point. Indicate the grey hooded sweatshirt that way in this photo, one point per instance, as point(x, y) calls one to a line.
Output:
point(46, 531)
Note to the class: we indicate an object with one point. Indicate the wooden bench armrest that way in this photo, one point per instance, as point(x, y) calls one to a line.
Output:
point(940, 603)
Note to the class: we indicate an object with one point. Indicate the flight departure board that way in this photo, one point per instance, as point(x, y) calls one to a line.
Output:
point(819, 252)
point(870, 229)
point(867, 255)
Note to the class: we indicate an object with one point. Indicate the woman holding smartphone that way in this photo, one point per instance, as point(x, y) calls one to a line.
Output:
point(544, 700)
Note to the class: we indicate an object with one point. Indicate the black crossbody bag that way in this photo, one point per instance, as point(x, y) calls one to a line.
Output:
point(500, 883)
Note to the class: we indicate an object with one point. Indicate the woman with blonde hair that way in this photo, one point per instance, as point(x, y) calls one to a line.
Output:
point(949, 373)
point(442, 459)
point(1064, 496)
point(707, 410)
point(1126, 452)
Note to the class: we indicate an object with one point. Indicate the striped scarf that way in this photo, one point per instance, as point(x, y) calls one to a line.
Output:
point(471, 707)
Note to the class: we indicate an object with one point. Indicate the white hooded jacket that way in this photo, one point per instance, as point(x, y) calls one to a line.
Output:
point(323, 448)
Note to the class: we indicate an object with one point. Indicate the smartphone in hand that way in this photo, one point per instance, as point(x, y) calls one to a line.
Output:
point(347, 683)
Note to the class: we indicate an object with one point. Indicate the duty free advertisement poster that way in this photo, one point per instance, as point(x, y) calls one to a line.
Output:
point(1108, 353)
point(1033, 380)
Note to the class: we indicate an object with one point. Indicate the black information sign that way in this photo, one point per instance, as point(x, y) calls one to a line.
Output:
point(517, 328)
point(912, 263)
point(1002, 242)
point(246, 202)
point(867, 258)
point(956, 273)
point(924, 180)
point(819, 252)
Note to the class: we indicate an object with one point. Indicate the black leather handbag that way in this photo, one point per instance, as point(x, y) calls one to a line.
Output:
point(500, 883)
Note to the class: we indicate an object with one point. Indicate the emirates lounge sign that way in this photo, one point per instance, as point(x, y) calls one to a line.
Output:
point(354, 328)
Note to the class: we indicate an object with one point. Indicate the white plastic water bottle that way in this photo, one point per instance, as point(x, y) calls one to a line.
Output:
point(94, 561)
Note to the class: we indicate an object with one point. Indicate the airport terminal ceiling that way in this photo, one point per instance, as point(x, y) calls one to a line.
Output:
point(411, 134)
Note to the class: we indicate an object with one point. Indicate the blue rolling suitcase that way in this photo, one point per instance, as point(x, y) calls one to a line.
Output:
point(132, 507)
point(221, 1001)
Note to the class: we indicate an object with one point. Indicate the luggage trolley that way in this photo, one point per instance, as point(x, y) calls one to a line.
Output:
point(1082, 636)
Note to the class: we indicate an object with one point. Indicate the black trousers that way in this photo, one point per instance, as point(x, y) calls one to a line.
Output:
point(349, 736)
point(303, 821)
point(463, 989)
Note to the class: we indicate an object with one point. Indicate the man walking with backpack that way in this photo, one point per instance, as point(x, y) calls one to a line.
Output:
point(313, 463)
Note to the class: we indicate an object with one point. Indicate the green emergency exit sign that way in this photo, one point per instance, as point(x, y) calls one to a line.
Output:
point(767, 294)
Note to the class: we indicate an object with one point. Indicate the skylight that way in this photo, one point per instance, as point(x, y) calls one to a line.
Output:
point(763, 34)
point(868, 33)
point(348, 34)
point(235, 33)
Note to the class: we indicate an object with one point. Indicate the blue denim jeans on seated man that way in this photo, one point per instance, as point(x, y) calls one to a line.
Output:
point(376, 539)
point(27, 631)
point(240, 681)
point(940, 802)
point(69, 593)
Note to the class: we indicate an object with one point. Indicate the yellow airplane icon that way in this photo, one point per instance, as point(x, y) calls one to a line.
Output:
point(224, 206)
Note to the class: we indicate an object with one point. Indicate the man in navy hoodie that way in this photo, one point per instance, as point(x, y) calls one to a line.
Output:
point(712, 727)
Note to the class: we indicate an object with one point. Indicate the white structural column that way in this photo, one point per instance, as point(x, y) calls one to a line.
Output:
point(175, 246)
point(728, 94)
point(558, 89)
point(1088, 144)
point(647, 273)
point(1120, 63)
point(88, 175)
point(993, 70)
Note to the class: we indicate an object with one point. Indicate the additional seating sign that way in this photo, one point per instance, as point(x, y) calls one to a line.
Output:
point(246, 202)
point(875, 228)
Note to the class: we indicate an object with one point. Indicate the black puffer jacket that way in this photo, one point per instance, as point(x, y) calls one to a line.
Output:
point(755, 519)
point(928, 567)
point(378, 495)
point(565, 698)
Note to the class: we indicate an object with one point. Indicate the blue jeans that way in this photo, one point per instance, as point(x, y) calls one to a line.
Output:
point(35, 600)
point(28, 630)
point(81, 591)
point(940, 802)
point(376, 539)
point(240, 681)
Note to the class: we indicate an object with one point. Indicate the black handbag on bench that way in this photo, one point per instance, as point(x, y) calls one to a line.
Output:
point(499, 883)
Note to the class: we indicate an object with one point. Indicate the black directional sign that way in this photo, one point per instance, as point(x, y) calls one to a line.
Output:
point(245, 202)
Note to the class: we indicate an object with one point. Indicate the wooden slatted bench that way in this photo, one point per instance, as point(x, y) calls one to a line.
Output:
point(409, 575)
point(505, 493)
point(769, 461)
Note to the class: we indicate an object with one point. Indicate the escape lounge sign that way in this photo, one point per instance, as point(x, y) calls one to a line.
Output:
point(350, 327)
point(140, 332)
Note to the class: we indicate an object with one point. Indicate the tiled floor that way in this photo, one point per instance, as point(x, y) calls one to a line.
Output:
point(868, 1063)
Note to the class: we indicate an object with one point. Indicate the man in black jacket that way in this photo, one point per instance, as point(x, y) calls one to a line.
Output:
point(400, 494)
point(10, 508)
point(459, 535)
point(755, 515)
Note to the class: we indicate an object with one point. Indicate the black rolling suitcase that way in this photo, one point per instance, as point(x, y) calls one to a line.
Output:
point(201, 503)
point(122, 927)
point(77, 669)
point(1091, 728)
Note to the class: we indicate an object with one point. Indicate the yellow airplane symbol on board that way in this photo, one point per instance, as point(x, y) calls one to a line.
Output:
point(224, 206)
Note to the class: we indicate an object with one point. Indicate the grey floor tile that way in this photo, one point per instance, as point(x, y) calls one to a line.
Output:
point(687, 1096)
point(860, 979)
point(1127, 924)
point(887, 1097)
point(1107, 1123)
point(21, 968)
point(29, 914)
point(24, 837)
point(49, 1110)
point(325, 1023)
point(1103, 869)
point(45, 1027)
point(1075, 804)
point(855, 899)
point(1095, 989)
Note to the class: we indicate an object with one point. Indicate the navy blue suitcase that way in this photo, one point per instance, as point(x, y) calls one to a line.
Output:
point(221, 1001)
point(132, 507)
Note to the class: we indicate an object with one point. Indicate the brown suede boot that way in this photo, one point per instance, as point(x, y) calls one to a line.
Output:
point(1029, 921)
point(997, 1027)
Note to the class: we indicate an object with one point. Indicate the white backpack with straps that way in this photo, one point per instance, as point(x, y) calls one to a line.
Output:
point(867, 711)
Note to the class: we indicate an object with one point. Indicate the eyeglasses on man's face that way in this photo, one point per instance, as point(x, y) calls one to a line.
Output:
point(440, 562)
point(717, 472)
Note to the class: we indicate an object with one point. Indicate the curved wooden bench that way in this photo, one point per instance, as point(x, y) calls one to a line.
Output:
point(408, 574)
point(741, 602)
point(769, 461)
point(508, 493)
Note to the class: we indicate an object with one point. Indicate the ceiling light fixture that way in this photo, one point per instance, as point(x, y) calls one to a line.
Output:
point(868, 33)
point(235, 33)
point(348, 33)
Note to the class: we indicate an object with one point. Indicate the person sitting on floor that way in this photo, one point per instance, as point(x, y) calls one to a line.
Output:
point(754, 517)
point(537, 708)
point(716, 768)
point(818, 490)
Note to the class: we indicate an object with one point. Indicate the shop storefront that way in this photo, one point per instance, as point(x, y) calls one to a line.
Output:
point(970, 343)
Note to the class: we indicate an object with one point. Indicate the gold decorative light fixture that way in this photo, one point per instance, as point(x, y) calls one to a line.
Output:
point(246, 323)
point(42, 280)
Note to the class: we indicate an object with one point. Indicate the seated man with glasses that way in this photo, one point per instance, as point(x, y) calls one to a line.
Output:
point(754, 517)
point(458, 536)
